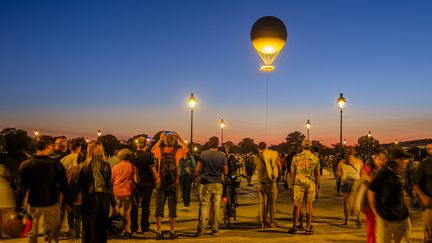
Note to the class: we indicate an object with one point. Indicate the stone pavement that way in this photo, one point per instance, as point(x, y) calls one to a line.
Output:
point(327, 221)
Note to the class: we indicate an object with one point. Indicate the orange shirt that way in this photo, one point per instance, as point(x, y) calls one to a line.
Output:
point(123, 179)
point(178, 156)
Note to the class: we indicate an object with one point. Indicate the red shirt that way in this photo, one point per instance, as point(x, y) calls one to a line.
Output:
point(123, 179)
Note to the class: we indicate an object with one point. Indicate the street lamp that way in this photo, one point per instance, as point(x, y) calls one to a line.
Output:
point(341, 102)
point(36, 132)
point(369, 143)
point(344, 142)
point(308, 125)
point(192, 102)
point(87, 140)
point(222, 125)
point(99, 133)
point(396, 141)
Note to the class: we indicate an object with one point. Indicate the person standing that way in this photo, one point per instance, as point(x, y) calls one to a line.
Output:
point(94, 181)
point(386, 199)
point(306, 174)
point(210, 167)
point(167, 180)
point(379, 158)
point(43, 177)
point(250, 169)
point(187, 175)
point(124, 176)
point(70, 163)
point(423, 188)
point(349, 170)
point(266, 162)
point(147, 174)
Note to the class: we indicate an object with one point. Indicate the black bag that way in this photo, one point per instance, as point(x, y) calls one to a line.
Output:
point(168, 168)
point(187, 165)
point(116, 224)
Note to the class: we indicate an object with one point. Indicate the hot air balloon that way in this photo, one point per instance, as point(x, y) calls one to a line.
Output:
point(268, 36)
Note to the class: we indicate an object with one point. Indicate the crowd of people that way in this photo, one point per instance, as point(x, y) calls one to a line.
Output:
point(60, 182)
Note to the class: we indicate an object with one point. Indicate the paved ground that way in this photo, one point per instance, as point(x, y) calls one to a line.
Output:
point(327, 221)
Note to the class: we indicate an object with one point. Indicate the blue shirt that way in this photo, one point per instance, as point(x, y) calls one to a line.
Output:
point(213, 162)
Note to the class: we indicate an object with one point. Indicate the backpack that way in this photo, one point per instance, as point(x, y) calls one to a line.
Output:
point(168, 168)
point(187, 165)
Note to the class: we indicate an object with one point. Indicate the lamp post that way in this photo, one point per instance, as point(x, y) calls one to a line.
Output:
point(344, 142)
point(341, 102)
point(87, 140)
point(369, 144)
point(396, 141)
point(308, 125)
point(222, 125)
point(99, 133)
point(192, 102)
point(36, 133)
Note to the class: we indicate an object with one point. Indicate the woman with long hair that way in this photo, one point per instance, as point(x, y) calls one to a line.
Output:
point(94, 181)
point(379, 159)
point(349, 170)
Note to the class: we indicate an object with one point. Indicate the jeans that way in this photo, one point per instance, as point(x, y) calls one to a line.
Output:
point(399, 231)
point(267, 197)
point(51, 215)
point(427, 223)
point(186, 184)
point(95, 212)
point(142, 199)
point(210, 196)
point(74, 221)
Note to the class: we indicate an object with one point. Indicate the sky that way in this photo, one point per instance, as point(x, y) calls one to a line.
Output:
point(128, 67)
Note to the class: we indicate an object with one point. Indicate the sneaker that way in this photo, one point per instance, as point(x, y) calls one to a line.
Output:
point(172, 235)
point(127, 235)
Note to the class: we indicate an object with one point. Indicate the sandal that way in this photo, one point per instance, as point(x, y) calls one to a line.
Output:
point(309, 232)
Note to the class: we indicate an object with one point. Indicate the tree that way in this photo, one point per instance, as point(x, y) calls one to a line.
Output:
point(16, 140)
point(110, 143)
point(247, 145)
point(365, 145)
point(293, 142)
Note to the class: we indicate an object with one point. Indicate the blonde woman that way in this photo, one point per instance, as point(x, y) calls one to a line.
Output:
point(349, 170)
point(94, 181)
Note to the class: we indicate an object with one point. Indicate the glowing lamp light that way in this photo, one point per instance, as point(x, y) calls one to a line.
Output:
point(396, 141)
point(87, 140)
point(36, 132)
point(99, 133)
point(192, 102)
point(341, 102)
point(308, 124)
point(344, 142)
point(186, 141)
point(222, 123)
point(369, 134)
point(195, 149)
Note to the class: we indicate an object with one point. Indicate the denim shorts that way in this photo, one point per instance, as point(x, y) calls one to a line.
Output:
point(163, 194)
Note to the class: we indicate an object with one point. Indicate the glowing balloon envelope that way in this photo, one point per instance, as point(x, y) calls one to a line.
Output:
point(268, 36)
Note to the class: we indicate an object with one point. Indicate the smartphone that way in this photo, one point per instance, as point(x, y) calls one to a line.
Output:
point(169, 133)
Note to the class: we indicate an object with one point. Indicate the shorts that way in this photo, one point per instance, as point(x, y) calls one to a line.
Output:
point(301, 189)
point(347, 185)
point(163, 194)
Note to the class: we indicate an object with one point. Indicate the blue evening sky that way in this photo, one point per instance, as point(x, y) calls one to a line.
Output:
point(126, 67)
